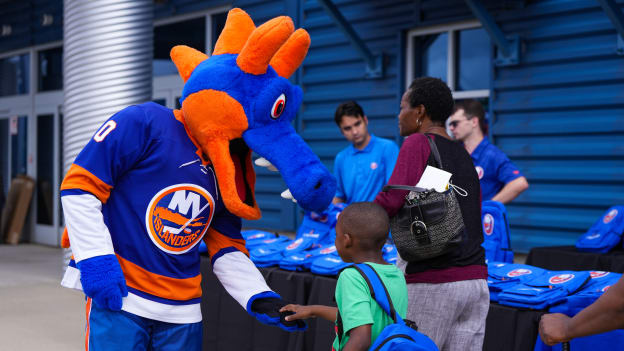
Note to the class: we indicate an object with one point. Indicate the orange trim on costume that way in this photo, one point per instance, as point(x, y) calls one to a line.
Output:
point(216, 241)
point(159, 285)
point(289, 57)
point(186, 59)
point(238, 27)
point(87, 328)
point(65, 239)
point(263, 43)
point(179, 115)
point(79, 178)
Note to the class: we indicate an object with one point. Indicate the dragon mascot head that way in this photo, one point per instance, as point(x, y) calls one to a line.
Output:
point(239, 100)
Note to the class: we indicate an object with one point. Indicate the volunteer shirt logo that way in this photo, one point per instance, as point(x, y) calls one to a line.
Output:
point(479, 171)
point(518, 272)
point(178, 216)
point(609, 216)
point(560, 278)
point(488, 224)
point(374, 165)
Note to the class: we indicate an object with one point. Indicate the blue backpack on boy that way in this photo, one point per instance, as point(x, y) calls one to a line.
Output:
point(496, 240)
point(399, 335)
point(605, 234)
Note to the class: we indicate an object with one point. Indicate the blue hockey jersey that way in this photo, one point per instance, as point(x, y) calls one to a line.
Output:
point(159, 198)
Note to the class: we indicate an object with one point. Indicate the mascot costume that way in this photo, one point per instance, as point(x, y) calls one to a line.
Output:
point(153, 182)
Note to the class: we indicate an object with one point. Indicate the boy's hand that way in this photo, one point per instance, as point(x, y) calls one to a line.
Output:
point(299, 312)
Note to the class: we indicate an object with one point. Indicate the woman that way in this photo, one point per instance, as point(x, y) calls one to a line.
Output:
point(448, 294)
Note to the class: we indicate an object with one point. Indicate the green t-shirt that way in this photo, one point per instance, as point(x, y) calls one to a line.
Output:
point(356, 305)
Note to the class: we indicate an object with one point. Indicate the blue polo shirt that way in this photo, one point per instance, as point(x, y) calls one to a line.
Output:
point(493, 168)
point(361, 174)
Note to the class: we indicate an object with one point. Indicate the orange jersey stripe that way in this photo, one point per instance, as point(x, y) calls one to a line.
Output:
point(79, 178)
point(216, 241)
point(159, 285)
point(87, 328)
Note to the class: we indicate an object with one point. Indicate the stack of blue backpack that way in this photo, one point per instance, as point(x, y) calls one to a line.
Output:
point(526, 286)
point(496, 240)
point(605, 233)
point(312, 248)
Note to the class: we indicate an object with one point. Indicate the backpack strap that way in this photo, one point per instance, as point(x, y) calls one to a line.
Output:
point(378, 290)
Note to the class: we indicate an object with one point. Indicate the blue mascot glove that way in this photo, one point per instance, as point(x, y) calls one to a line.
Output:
point(265, 308)
point(103, 281)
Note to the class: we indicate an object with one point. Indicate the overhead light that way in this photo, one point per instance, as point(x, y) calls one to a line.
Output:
point(47, 19)
point(6, 30)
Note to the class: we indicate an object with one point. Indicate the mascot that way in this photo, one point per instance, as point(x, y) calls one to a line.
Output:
point(153, 182)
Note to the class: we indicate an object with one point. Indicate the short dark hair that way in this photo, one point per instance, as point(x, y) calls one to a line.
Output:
point(473, 108)
point(434, 95)
point(366, 221)
point(348, 108)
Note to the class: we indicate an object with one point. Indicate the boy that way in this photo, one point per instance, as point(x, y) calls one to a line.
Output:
point(361, 232)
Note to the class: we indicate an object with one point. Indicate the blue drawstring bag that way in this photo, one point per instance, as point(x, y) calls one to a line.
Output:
point(253, 244)
point(402, 335)
point(605, 233)
point(389, 253)
point(496, 240)
point(328, 265)
point(502, 275)
point(268, 255)
point(544, 290)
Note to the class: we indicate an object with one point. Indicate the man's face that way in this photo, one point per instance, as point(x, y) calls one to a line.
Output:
point(461, 126)
point(354, 129)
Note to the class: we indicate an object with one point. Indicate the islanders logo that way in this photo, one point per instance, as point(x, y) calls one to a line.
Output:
point(518, 272)
point(178, 216)
point(598, 274)
point(488, 224)
point(561, 278)
point(609, 216)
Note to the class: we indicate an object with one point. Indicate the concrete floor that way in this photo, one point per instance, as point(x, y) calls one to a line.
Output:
point(36, 313)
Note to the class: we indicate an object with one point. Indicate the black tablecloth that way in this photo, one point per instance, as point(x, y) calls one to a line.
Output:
point(228, 327)
point(569, 258)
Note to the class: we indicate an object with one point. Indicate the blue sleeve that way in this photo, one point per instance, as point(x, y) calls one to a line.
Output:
point(339, 186)
point(390, 156)
point(507, 171)
point(116, 146)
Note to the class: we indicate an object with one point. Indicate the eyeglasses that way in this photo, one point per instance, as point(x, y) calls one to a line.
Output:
point(454, 124)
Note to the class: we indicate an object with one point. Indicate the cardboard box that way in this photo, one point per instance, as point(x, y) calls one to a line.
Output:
point(16, 208)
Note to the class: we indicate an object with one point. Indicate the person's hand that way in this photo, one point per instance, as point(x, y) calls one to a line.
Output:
point(298, 312)
point(553, 328)
point(268, 311)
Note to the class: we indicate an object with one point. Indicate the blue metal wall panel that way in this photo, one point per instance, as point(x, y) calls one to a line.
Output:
point(559, 116)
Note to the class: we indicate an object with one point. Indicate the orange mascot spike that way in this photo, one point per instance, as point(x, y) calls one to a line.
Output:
point(186, 59)
point(263, 43)
point(238, 27)
point(289, 57)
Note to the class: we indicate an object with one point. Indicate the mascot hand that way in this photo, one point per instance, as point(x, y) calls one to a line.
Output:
point(103, 281)
point(265, 308)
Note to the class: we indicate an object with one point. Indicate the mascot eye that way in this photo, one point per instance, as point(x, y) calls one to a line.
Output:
point(278, 107)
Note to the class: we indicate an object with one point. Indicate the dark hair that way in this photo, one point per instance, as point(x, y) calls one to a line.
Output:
point(435, 95)
point(348, 108)
point(366, 221)
point(473, 108)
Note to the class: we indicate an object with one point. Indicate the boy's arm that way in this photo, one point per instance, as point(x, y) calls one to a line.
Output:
point(359, 338)
point(311, 311)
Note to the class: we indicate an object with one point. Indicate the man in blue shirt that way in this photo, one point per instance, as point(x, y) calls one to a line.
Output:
point(500, 179)
point(365, 166)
